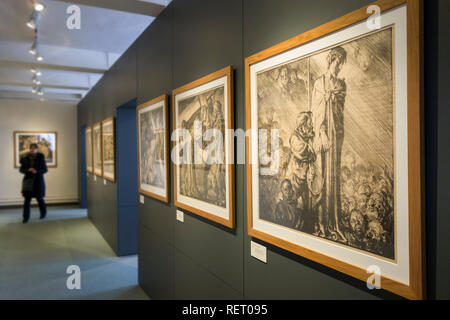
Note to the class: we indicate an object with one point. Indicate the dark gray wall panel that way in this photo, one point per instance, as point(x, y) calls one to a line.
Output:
point(154, 59)
point(438, 105)
point(207, 37)
point(116, 87)
point(192, 281)
point(267, 23)
point(156, 264)
point(158, 217)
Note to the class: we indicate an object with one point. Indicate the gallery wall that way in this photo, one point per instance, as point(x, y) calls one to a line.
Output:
point(117, 87)
point(200, 259)
point(29, 115)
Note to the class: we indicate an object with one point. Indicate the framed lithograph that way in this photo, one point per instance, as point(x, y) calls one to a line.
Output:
point(109, 149)
point(88, 142)
point(335, 173)
point(97, 149)
point(202, 154)
point(153, 148)
point(45, 140)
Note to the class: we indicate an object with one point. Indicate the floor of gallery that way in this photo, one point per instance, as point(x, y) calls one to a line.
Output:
point(35, 257)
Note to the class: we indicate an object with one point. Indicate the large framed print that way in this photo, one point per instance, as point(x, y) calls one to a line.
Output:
point(202, 152)
point(334, 169)
point(46, 141)
point(153, 147)
point(109, 149)
point(88, 152)
point(97, 149)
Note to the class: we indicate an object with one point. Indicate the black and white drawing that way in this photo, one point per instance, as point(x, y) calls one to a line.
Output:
point(203, 172)
point(108, 149)
point(332, 168)
point(153, 145)
point(88, 154)
point(203, 181)
point(97, 148)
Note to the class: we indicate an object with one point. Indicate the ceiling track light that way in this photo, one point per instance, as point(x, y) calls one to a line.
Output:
point(38, 6)
point(33, 48)
point(33, 90)
point(40, 92)
point(36, 72)
point(39, 57)
point(32, 22)
point(35, 80)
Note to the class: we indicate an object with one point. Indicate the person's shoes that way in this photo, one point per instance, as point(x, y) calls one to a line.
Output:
point(25, 220)
point(43, 217)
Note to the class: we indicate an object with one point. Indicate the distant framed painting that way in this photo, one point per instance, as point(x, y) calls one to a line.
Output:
point(202, 153)
point(97, 149)
point(153, 148)
point(88, 152)
point(46, 141)
point(109, 149)
point(335, 167)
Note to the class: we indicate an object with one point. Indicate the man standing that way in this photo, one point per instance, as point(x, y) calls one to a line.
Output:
point(327, 107)
point(303, 157)
point(34, 167)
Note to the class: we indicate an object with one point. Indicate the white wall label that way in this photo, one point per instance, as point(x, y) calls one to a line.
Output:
point(180, 215)
point(95, 178)
point(141, 199)
point(104, 182)
point(258, 251)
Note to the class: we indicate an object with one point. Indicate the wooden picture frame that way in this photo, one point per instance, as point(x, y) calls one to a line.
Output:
point(97, 149)
point(89, 146)
point(17, 152)
point(224, 214)
point(152, 190)
point(410, 30)
point(109, 174)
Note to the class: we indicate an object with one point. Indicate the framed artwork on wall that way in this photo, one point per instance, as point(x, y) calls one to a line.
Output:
point(337, 176)
point(88, 152)
point(46, 141)
point(202, 152)
point(153, 148)
point(97, 149)
point(109, 149)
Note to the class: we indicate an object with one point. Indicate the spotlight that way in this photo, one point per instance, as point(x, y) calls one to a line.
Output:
point(36, 72)
point(40, 92)
point(33, 19)
point(31, 24)
point(33, 48)
point(39, 58)
point(33, 90)
point(38, 6)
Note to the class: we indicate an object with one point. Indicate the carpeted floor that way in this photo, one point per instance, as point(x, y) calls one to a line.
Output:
point(34, 258)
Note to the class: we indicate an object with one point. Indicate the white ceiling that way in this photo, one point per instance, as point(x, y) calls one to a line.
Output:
point(74, 60)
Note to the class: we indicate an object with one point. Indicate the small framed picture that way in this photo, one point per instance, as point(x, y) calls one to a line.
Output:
point(153, 148)
point(46, 141)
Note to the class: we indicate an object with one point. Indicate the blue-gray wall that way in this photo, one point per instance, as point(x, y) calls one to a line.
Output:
point(199, 259)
